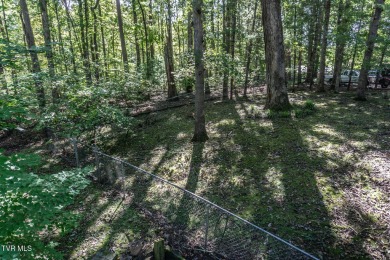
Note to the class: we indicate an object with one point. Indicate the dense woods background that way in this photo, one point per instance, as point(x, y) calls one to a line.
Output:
point(126, 50)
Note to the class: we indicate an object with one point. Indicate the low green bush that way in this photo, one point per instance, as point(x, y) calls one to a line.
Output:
point(32, 205)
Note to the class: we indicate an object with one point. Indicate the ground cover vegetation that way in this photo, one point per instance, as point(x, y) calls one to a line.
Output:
point(241, 102)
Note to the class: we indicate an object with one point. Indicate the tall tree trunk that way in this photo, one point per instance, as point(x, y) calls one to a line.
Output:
point(151, 38)
point(356, 44)
point(226, 45)
point(70, 27)
point(95, 46)
point(277, 98)
point(172, 92)
point(233, 42)
point(122, 36)
point(190, 44)
point(137, 49)
point(6, 36)
point(370, 43)
point(321, 85)
point(103, 42)
point(313, 51)
point(48, 48)
point(249, 50)
point(342, 33)
point(295, 49)
point(59, 29)
point(200, 134)
point(84, 41)
point(299, 76)
point(36, 69)
point(147, 51)
point(2, 72)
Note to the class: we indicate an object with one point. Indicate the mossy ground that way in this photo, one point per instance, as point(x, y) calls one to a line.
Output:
point(319, 180)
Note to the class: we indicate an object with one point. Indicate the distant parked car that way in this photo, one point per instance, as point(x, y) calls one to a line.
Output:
point(344, 77)
point(372, 76)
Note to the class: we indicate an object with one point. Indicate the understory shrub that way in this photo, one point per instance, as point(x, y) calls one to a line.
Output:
point(32, 207)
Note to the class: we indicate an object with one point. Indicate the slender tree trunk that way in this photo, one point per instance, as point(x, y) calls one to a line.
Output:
point(95, 46)
point(226, 45)
point(277, 98)
point(321, 85)
point(356, 45)
point(137, 49)
point(122, 37)
point(200, 134)
point(370, 43)
point(2, 72)
point(36, 69)
point(342, 34)
point(48, 48)
point(172, 92)
point(249, 50)
point(147, 51)
point(233, 43)
point(59, 29)
point(295, 49)
point(103, 42)
point(310, 49)
point(313, 55)
point(190, 44)
point(151, 40)
point(6, 36)
point(84, 41)
point(299, 76)
point(70, 27)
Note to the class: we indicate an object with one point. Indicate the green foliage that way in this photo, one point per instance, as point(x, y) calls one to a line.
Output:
point(308, 108)
point(309, 105)
point(272, 114)
point(12, 113)
point(85, 111)
point(31, 205)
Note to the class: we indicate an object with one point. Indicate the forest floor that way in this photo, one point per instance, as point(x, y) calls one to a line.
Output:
point(321, 181)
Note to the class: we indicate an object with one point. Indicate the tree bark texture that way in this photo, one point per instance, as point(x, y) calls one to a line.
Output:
point(172, 92)
point(84, 41)
point(137, 49)
point(370, 43)
point(324, 45)
point(200, 134)
point(36, 69)
point(277, 98)
point(122, 36)
point(48, 48)
point(341, 38)
point(249, 51)
point(226, 46)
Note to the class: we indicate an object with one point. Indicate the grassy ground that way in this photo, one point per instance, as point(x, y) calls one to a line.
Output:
point(320, 181)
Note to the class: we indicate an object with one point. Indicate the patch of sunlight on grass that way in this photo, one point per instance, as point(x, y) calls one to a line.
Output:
point(181, 136)
point(156, 156)
point(275, 184)
point(326, 129)
point(329, 150)
point(92, 243)
point(226, 122)
point(331, 165)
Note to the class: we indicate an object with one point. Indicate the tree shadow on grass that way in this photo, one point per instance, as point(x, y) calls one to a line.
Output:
point(269, 179)
point(188, 205)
